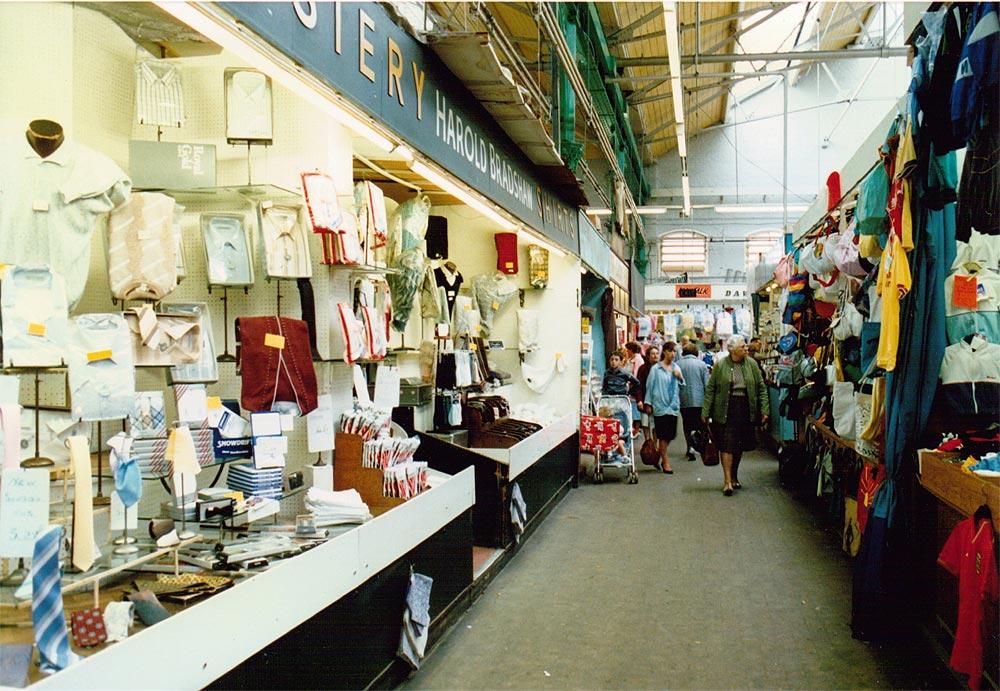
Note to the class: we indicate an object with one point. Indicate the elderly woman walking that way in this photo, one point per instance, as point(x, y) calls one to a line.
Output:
point(735, 403)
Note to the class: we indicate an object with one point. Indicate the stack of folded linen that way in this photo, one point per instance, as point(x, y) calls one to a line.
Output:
point(334, 508)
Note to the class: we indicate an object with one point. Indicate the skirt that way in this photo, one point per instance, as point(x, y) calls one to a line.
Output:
point(666, 427)
point(738, 434)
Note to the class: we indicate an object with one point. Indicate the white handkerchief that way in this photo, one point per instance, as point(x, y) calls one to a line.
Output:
point(192, 403)
point(118, 619)
point(361, 386)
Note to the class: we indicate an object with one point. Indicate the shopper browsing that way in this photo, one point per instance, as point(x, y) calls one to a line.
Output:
point(696, 375)
point(735, 401)
point(652, 357)
point(663, 401)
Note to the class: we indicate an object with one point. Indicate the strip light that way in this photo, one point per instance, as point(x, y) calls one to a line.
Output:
point(598, 212)
point(758, 208)
point(461, 194)
point(677, 95)
point(290, 78)
point(534, 239)
point(649, 210)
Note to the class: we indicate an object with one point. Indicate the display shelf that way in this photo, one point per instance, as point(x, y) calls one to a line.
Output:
point(268, 605)
point(230, 194)
point(835, 438)
point(941, 474)
point(527, 452)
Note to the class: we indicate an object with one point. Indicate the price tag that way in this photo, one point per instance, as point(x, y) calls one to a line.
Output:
point(213, 402)
point(40, 205)
point(963, 292)
point(97, 355)
point(274, 341)
point(509, 265)
point(266, 204)
point(473, 347)
point(496, 305)
point(35, 329)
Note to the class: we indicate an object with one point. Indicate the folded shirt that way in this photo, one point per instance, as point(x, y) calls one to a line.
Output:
point(101, 369)
point(35, 318)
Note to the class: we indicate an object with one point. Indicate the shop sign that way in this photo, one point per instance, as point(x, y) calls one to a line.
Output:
point(693, 291)
point(594, 250)
point(619, 271)
point(357, 49)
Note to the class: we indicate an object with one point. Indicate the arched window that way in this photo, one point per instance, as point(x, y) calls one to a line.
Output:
point(760, 243)
point(683, 250)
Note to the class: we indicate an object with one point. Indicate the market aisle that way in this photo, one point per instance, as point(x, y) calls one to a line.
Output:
point(670, 584)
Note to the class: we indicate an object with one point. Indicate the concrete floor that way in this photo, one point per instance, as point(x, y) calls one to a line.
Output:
point(670, 584)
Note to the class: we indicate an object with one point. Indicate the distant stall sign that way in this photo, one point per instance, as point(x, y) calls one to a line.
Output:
point(690, 291)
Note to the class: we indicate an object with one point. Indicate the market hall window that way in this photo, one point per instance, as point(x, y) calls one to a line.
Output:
point(683, 250)
point(760, 243)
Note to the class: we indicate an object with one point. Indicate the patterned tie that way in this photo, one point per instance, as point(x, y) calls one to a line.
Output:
point(46, 603)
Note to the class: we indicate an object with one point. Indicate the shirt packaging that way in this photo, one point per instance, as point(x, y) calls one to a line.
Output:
point(101, 370)
point(248, 106)
point(205, 369)
point(159, 93)
point(142, 248)
point(227, 250)
point(48, 207)
point(284, 239)
point(35, 318)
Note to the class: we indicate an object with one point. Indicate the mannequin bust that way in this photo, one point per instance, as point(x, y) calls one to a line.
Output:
point(45, 136)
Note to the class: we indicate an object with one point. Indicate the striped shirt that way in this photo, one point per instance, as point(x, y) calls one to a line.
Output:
point(159, 96)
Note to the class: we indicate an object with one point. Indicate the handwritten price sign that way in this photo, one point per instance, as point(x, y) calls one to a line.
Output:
point(24, 509)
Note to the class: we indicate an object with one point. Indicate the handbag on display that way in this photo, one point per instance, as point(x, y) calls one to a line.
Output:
point(868, 414)
point(142, 247)
point(275, 356)
point(164, 340)
point(506, 244)
point(814, 260)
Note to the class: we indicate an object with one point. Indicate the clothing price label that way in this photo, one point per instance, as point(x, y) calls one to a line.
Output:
point(24, 509)
point(266, 204)
point(35, 329)
point(97, 355)
point(213, 402)
point(496, 305)
point(40, 205)
point(274, 341)
point(964, 292)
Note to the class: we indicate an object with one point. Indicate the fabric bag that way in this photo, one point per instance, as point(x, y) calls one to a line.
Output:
point(709, 453)
point(164, 340)
point(866, 419)
point(142, 261)
point(848, 322)
point(844, 407)
point(846, 254)
point(277, 359)
point(814, 258)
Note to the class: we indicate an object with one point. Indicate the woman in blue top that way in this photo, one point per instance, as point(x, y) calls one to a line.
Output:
point(663, 401)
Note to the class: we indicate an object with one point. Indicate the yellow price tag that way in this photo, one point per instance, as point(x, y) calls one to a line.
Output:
point(274, 341)
point(473, 346)
point(35, 329)
point(509, 265)
point(96, 355)
point(213, 402)
point(468, 307)
point(496, 305)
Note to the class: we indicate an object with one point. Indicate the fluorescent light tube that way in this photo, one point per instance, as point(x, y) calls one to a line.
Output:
point(289, 78)
point(461, 194)
point(598, 212)
point(650, 210)
point(758, 208)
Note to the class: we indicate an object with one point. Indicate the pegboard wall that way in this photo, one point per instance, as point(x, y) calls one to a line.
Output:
point(88, 79)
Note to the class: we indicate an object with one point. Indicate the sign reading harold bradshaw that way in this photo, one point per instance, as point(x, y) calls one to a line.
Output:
point(357, 49)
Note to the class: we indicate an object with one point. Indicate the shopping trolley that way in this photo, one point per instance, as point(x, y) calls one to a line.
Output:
point(600, 435)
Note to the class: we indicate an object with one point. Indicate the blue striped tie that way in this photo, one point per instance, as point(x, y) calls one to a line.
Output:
point(46, 602)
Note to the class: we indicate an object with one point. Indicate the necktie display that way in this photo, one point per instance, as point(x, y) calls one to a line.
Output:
point(84, 549)
point(128, 478)
point(47, 614)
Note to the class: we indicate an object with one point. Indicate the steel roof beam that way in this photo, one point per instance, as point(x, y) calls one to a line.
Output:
point(798, 55)
point(629, 29)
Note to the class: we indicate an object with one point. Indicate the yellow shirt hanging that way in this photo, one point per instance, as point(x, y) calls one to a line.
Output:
point(893, 284)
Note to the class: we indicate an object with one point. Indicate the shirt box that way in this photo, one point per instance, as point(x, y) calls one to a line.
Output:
point(171, 165)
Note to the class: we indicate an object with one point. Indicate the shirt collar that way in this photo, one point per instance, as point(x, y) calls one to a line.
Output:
point(60, 156)
point(164, 73)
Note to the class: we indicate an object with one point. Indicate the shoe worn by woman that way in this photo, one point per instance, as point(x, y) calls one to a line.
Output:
point(728, 491)
point(668, 471)
point(737, 485)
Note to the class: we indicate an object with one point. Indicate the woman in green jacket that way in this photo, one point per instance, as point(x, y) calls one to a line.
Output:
point(735, 403)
